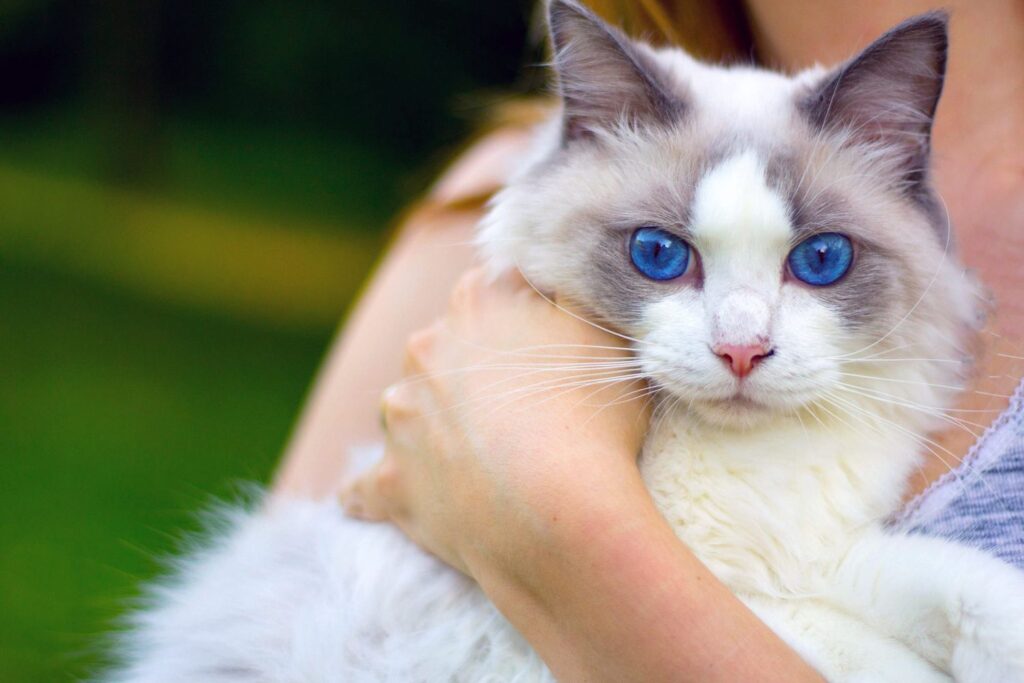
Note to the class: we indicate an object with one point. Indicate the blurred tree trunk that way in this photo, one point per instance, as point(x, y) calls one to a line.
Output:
point(122, 84)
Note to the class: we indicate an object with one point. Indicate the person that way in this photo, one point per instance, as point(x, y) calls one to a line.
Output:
point(553, 521)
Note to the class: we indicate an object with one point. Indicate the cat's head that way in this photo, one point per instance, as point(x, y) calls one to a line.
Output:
point(770, 242)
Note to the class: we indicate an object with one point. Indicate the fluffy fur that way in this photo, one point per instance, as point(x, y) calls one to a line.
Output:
point(781, 481)
point(298, 592)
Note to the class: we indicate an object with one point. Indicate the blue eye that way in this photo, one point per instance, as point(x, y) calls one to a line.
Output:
point(658, 254)
point(822, 259)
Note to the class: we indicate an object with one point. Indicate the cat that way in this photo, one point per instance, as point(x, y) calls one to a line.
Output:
point(773, 248)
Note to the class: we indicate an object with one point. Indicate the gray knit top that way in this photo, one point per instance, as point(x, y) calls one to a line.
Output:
point(981, 502)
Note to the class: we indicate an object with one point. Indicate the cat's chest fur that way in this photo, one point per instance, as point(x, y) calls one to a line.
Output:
point(772, 510)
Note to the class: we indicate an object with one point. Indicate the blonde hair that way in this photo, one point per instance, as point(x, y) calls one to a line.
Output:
point(712, 30)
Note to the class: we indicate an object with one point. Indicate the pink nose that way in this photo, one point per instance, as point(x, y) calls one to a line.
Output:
point(742, 358)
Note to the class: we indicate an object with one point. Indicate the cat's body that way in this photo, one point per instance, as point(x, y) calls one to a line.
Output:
point(778, 467)
point(803, 546)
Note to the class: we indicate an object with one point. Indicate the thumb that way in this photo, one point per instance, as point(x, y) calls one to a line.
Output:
point(362, 497)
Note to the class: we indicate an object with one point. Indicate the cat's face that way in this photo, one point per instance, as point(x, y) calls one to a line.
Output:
point(762, 239)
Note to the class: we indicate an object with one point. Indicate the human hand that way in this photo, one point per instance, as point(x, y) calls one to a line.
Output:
point(512, 411)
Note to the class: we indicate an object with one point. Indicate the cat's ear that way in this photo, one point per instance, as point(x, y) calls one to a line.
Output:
point(603, 77)
point(888, 93)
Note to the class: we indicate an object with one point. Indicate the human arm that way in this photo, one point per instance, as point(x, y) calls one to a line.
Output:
point(543, 503)
point(625, 600)
point(409, 288)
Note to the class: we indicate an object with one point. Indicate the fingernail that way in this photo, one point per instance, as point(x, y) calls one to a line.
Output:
point(352, 502)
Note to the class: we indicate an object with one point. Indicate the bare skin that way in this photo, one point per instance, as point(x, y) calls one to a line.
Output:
point(581, 597)
point(535, 514)
point(409, 290)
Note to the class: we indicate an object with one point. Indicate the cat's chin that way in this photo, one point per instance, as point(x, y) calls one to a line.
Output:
point(739, 412)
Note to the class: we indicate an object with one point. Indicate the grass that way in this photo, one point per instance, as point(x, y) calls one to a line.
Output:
point(120, 418)
point(280, 271)
point(270, 172)
point(155, 347)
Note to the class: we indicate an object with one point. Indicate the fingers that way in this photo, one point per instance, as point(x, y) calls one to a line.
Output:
point(477, 284)
point(467, 291)
point(512, 280)
point(419, 350)
point(377, 495)
point(374, 496)
point(402, 410)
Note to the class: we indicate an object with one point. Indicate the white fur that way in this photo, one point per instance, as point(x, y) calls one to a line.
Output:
point(788, 511)
point(747, 98)
point(300, 593)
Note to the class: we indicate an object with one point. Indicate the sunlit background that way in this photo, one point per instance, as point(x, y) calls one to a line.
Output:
point(191, 192)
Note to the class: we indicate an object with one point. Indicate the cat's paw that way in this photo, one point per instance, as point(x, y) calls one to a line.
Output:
point(990, 646)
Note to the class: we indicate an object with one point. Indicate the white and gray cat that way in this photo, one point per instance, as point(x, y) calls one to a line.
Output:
point(773, 247)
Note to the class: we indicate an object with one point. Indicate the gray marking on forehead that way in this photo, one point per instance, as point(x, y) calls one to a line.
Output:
point(605, 281)
point(863, 297)
point(810, 210)
point(724, 148)
point(793, 174)
point(609, 286)
point(669, 203)
point(608, 283)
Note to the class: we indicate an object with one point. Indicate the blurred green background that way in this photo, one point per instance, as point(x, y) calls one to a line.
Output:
point(190, 193)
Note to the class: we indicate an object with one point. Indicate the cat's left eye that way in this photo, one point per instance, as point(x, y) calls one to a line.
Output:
point(821, 259)
point(658, 254)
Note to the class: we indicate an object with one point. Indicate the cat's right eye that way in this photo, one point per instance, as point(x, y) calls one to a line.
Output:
point(658, 254)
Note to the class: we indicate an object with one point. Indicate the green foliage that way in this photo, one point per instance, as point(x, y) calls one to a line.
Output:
point(192, 190)
point(120, 419)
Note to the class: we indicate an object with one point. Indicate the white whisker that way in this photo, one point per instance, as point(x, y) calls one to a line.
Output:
point(578, 317)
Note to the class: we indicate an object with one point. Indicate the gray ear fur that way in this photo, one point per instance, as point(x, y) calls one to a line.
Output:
point(888, 93)
point(603, 78)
